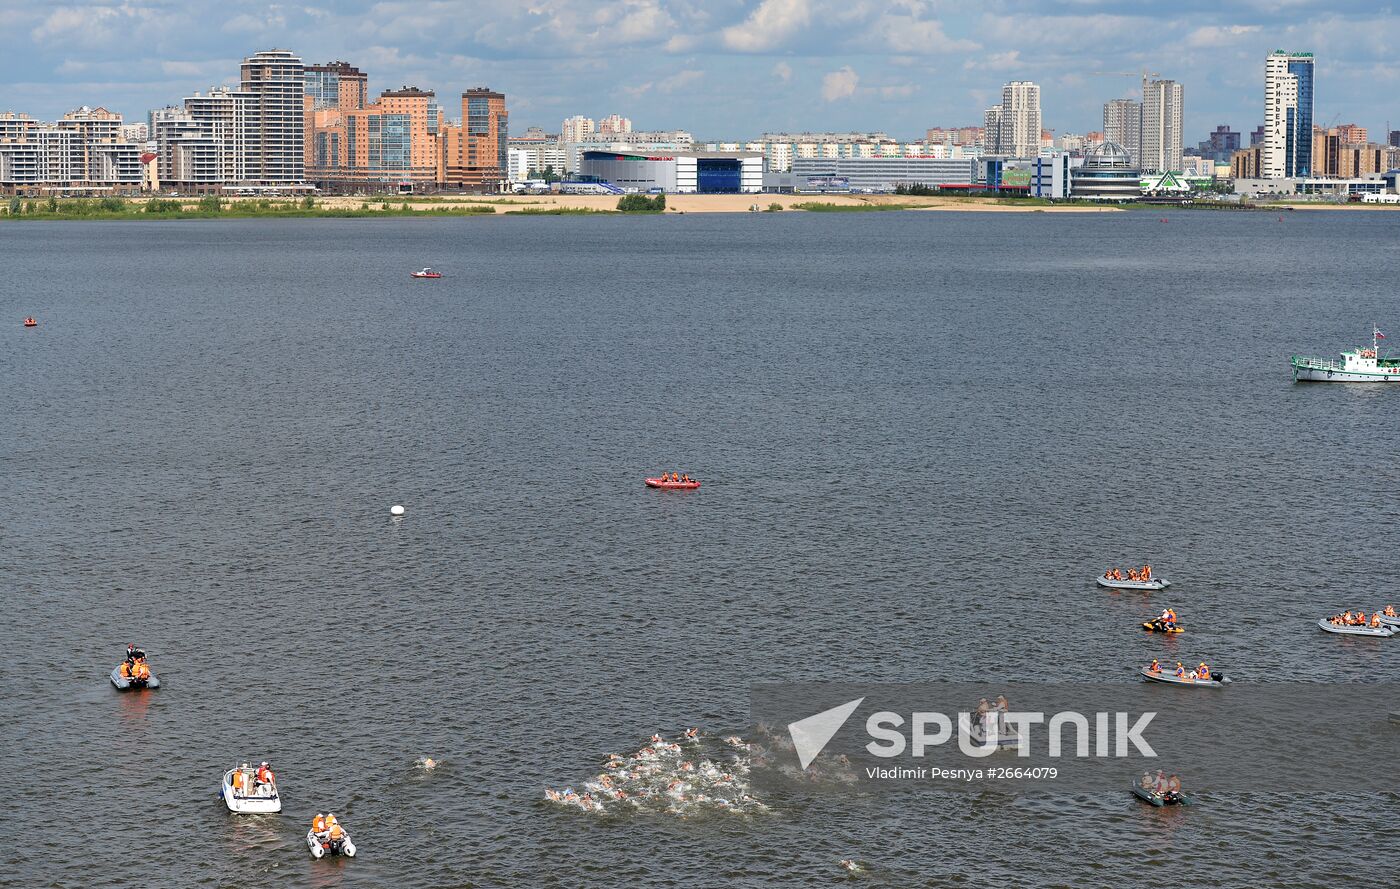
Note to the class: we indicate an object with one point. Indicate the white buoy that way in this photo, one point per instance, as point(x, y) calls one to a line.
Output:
point(396, 510)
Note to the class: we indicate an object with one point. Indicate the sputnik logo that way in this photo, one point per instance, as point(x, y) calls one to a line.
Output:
point(811, 734)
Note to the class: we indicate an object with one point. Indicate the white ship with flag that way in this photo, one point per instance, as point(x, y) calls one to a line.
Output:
point(1356, 366)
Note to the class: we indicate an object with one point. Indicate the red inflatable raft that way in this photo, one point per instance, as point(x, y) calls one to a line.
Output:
point(672, 486)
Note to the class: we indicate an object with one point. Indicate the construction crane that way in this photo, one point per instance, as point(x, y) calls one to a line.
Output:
point(1144, 74)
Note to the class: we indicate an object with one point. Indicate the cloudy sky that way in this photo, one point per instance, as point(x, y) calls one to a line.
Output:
point(720, 68)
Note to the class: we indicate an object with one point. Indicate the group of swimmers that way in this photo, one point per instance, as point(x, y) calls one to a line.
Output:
point(1141, 574)
point(1200, 674)
point(135, 667)
point(1169, 788)
point(666, 776)
point(1358, 618)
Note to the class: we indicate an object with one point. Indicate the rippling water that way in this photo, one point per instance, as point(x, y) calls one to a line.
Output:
point(916, 431)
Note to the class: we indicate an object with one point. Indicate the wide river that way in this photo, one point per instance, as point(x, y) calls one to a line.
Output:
point(921, 435)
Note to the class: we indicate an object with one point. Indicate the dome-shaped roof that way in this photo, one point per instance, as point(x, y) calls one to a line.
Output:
point(1108, 155)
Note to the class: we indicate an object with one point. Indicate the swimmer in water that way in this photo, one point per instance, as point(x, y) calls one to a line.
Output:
point(692, 733)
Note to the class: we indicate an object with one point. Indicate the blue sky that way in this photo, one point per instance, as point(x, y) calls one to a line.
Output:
point(720, 68)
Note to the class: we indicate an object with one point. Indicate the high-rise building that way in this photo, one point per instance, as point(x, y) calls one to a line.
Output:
point(576, 129)
point(991, 130)
point(390, 144)
point(614, 124)
point(1122, 123)
point(1162, 123)
point(1019, 124)
point(1394, 138)
point(1288, 115)
point(275, 136)
point(1256, 136)
point(474, 153)
point(337, 85)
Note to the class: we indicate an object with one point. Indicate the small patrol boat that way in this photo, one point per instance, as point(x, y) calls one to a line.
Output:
point(1356, 366)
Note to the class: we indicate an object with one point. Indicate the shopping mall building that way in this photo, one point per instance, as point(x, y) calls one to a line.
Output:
point(675, 172)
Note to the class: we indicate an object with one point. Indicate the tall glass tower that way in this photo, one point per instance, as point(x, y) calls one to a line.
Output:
point(1288, 115)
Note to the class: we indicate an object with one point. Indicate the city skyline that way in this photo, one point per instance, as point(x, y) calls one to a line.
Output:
point(721, 73)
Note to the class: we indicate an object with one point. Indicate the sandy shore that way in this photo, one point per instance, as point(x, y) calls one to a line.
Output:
point(724, 203)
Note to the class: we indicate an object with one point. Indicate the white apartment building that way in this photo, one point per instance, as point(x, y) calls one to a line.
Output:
point(1162, 136)
point(577, 129)
point(82, 152)
point(1019, 123)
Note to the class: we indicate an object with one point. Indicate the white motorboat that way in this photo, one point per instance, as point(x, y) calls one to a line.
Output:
point(1350, 630)
point(1156, 583)
point(321, 848)
point(246, 797)
point(1356, 366)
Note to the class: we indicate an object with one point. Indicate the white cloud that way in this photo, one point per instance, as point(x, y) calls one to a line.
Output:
point(772, 22)
point(678, 81)
point(91, 24)
point(1213, 35)
point(998, 61)
point(840, 84)
point(909, 34)
point(783, 71)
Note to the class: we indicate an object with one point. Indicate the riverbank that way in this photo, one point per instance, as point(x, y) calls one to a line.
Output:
point(343, 207)
point(474, 205)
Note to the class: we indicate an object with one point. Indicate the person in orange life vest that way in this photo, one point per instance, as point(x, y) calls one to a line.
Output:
point(1154, 667)
point(263, 774)
point(318, 826)
point(1203, 672)
point(1180, 670)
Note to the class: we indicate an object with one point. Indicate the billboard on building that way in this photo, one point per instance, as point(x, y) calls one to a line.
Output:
point(1015, 177)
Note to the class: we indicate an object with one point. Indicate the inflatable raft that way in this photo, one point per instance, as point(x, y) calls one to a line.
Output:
point(124, 684)
point(1346, 630)
point(1156, 799)
point(1152, 627)
point(672, 486)
point(1159, 584)
point(321, 849)
point(262, 801)
point(1390, 621)
point(1217, 681)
